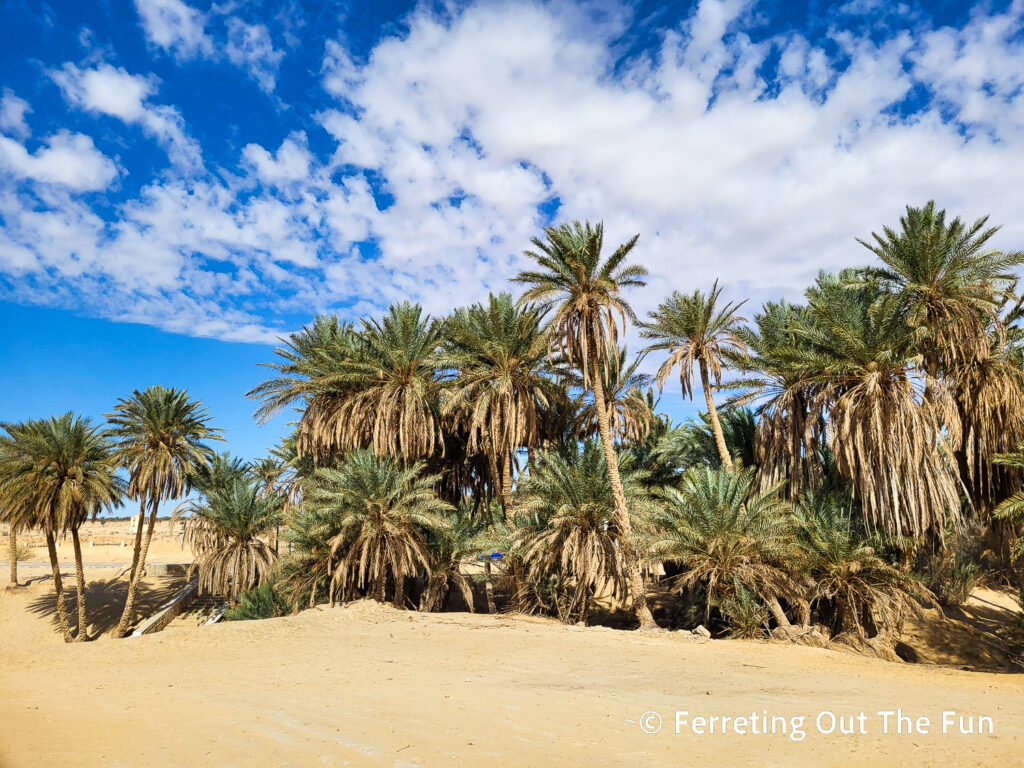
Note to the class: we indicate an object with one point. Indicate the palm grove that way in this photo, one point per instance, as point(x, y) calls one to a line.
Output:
point(863, 456)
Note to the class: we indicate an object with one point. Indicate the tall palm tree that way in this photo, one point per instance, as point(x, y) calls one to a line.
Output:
point(571, 533)
point(729, 539)
point(585, 292)
point(502, 383)
point(160, 435)
point(891, 439)
point(383, 511)
point(229, 535)
point(696, 333)
point(947, 280)
point(626, 398)
point(55, 474)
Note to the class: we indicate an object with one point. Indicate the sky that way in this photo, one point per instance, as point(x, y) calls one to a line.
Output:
point(183, 182)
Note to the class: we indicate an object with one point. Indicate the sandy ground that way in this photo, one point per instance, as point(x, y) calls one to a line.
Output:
point(368, 685)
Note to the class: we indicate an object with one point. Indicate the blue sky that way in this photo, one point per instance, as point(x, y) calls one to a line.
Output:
point(181, 181)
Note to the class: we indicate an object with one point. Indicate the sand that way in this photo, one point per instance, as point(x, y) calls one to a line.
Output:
point(368, 685)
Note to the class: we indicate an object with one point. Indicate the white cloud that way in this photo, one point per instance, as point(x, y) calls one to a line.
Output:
point(12, 114)
point(69, 159)
point(113, 91)
point(451, 139)
point(174, 26)
point(250, 48)
point(184, 32)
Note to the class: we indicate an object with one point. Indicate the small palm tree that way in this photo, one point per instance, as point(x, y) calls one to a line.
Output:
point(229, 535)
point(727, 538)
point(693, 443)
point(502, 384)
point(852, 585)
point(305, 573)
point(585, 292)
point(697, 334)
point(55, 474)
point(570, 534)
point(160, 435)
point(383, 511)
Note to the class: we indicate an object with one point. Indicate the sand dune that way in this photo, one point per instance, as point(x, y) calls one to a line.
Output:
point(368, 685)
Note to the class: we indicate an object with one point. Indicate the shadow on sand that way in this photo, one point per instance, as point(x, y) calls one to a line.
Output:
point(104, 601)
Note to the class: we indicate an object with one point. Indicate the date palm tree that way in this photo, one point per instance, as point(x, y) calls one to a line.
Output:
point(55, 474)
point(728, 538)
point(160, 434)
point(229, 533)
point(697, 334)
point(502, 384)
point(382, 512)
point(891, 426)
point(584, 290)
point(947, 280)
point(571, 533)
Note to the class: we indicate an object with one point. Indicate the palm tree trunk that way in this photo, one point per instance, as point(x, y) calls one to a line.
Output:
point(83, 633)
point(128, 615)
point(138, 541)
point(506, 488)
point(489, 587)
point(400, 590)
point(58, 585)
point(716, 425)
point(14, 557)
point(629, 555)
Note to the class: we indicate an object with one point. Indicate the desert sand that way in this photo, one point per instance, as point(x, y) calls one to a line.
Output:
point(369, 685)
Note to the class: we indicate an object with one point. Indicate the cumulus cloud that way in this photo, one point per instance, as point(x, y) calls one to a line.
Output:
point(68, 159)
point(755, 160)
point(12, 114)
point(174, 26)
point(112, 91)
point(181, 30)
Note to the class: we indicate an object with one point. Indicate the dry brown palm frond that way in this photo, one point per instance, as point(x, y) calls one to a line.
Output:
point(990, 397)
point(895, 447)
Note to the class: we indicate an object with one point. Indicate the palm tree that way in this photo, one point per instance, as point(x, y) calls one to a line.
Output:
point(228, 535)
point(727, 538)
point(383, 395)
point(852, 584)
point(947, 281)
point(585, 292)
point(697, 334)
point(890, 439)
point(571, 536)
point(309, 357)
point(383, 511)
point(626, 398)
point(160, 435)
point(55, 474)
point(502, 383)
point(12, 535)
